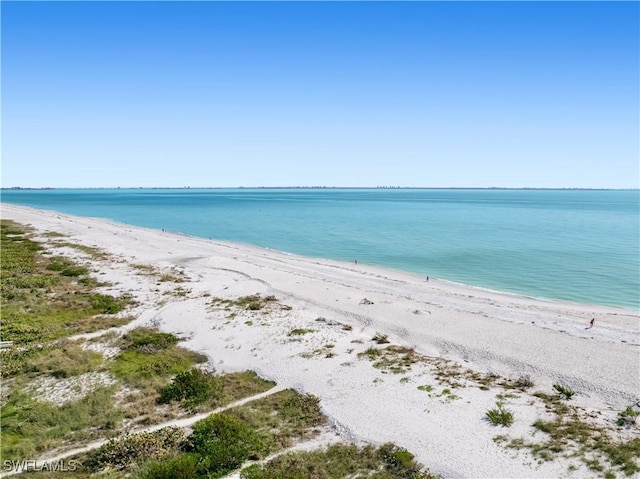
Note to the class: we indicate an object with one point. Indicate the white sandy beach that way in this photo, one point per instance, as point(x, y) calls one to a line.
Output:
point(486, 331)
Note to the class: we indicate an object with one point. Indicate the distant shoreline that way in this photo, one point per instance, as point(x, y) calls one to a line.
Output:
point(508, 188)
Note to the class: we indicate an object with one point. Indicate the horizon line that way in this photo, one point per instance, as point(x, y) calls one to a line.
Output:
point(317, 187)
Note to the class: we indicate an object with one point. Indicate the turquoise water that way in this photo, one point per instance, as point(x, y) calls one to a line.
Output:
point(564, 244)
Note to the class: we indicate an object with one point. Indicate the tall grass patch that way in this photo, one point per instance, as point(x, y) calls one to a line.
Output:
point(282, 418)
point(149, 358)
point(30, 427)
point(340, 461)
point(45, 298)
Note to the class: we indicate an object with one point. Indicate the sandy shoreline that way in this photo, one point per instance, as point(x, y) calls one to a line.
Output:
point(486, 331)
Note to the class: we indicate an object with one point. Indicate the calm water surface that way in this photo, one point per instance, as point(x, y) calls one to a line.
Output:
point(573, 245)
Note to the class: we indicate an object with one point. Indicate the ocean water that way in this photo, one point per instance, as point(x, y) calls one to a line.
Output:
point(578, 245)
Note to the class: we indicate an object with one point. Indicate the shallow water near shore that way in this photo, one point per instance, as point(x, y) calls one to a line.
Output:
point(577, 245)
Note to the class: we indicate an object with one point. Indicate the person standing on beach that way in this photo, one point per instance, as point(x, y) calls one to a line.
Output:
point(591, 323)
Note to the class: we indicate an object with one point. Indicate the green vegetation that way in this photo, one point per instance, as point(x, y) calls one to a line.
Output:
point(44, 298)
point(564, 391)
point(192, 388)
point(225, 442)
point(395, 359)
point(218, 445)
point(136, 448)
point(48, 298)
point(445, 394)
point(523, 383)
point(172, 278)
point(62, 360)
point(628, 417)
point(500, 416)
point(300, 332)
point(148, 357)
point(340, 461)
point(569, 434)
point(222, 442)
point(93, 252)
point(253, 302)
point(163, 277)
point(147, 340)
point(281, 418)
point(30, 427)
point(66, 267)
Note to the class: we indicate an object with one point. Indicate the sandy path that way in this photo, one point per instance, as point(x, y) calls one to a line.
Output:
point(184, 422)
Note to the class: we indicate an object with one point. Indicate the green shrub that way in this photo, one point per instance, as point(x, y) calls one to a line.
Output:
point(106, 304)
point(192, 388)
point(340, 461)
point(66, 267)
point(224, 443)
point(147, 340)
point(15, 360)
point(183, 466)
point(136, 448)
point(398, 459)
point(500, 416)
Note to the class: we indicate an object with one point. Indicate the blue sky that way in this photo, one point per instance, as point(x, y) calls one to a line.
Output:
point(510, 94)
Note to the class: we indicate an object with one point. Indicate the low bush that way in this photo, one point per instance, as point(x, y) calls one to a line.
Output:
point(106, 304)
point(340, 461)
point(192, 388)
point(183, 466)
point(66, 267)
point(147, 340)
point(136, 448)
point(224, 443)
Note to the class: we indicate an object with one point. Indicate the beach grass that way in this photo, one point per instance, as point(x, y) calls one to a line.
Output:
point(499, 416)
point(339, 461)
point(148, 358)
point(30, 427)
point(394, 359)
point(282, 418)
point(44, 298)
point(570, 433)
point(253, 302)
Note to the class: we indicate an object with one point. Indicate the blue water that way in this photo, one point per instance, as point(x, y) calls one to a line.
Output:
point(564, 244)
